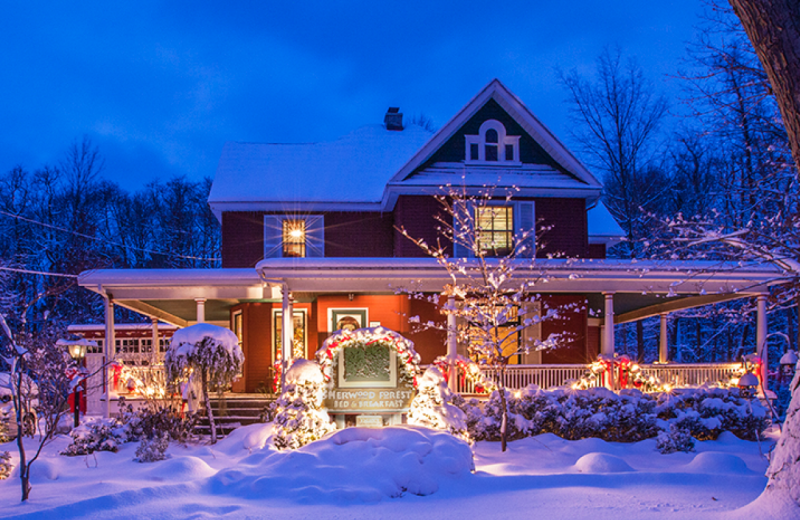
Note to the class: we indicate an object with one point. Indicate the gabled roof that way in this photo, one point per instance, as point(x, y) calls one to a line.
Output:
point(351, 170)
point(496, 91)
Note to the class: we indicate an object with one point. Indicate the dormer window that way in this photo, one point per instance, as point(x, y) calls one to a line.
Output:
point(492, 145)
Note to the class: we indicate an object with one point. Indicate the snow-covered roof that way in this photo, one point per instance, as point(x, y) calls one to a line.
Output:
point(353, 169)
point(603, 227)
point(516, 109)
point(119, 326)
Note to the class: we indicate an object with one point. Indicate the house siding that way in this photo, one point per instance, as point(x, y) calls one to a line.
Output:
point(562, 228)
point(417, 215)
point(359, 234)
point(242, 238)
point(530, 151)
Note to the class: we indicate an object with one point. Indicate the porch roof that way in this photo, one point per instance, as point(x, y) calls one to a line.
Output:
point(643, 288)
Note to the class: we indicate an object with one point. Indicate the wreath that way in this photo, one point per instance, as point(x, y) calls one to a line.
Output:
point(328, 354)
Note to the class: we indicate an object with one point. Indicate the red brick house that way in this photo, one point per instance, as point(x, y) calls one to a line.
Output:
point(312, 231)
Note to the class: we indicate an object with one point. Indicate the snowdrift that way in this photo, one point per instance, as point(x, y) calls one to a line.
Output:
point(356, 464)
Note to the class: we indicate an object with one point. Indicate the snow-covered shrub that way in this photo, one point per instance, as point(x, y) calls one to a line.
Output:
point(5, 465)
point(268, 412)
point(301, 417)
point(488, 426)
point(146, 424)
point(674, 439)
point(431, 406)
point(153, 449)
point(213, 352)
point(784, 470)
point(707, 412)
point(102, 435)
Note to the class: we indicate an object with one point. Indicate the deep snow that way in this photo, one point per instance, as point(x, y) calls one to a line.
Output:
point(355, 473)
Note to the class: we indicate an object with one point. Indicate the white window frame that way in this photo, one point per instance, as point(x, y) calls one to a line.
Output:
point(517, 207)
point(314, 235)
point(275, 313)
point(502, 141)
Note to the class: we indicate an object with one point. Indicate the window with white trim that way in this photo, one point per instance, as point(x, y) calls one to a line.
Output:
point(492, 145)
point(294, 236)
point(501, 227)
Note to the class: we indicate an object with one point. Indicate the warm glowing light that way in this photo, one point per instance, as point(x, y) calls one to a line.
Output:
point(296, 233)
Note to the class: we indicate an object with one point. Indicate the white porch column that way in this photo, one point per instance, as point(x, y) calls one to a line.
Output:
point(288, 325)
point(201, 309)
point(109, 347)
point(663, 341)
point(608, 325)
point(452, 345)
point(155, 355)
point(761, 335)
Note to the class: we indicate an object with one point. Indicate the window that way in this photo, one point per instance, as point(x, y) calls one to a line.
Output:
point(492, 145)
point(494, 226)
point(294, 236)
point(238, 326)
point(300, 349)
point(500, 228)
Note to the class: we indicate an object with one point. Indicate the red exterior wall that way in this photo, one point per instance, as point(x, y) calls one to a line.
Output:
point(572, 323)
point(242, 238)
point(568, 234)
point(416, 214)
point(351, 234)
point(597, 250)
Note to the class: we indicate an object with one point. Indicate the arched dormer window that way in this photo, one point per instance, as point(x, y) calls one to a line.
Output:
point(492, 145)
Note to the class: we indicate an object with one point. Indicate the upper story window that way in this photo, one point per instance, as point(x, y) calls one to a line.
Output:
point(492, 145)
point(500, 228)
point(494, 226)
point(294, 236)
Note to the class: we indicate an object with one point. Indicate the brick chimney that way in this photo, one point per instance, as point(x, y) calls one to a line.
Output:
point(393, 119)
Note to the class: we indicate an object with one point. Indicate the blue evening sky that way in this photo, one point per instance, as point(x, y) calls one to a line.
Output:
point(160, 86)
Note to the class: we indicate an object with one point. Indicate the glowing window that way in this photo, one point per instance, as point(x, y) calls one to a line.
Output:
point(495, 229)
point(294, 238)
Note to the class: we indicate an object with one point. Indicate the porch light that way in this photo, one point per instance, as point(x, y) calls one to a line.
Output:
point(77, 351)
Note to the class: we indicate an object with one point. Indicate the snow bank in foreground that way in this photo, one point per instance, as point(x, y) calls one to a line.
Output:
point(356, 464)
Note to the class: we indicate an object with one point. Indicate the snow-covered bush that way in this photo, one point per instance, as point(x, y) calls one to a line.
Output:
point(707, 412)
point(5, 465)
point(212, 351)
point(431, 406)
point(629, 416)
point(488, 425)
point(301, 417)
point(146, 423)
point(101, 435)
point(674, 439)
point(153, 449)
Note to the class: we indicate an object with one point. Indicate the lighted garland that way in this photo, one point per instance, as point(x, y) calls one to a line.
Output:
point(327, 355)
point(468, 370)
point(627, 374)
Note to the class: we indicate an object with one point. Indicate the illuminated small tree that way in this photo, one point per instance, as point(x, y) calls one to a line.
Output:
point(301, 416)
point(212, 351)
point(488, 290)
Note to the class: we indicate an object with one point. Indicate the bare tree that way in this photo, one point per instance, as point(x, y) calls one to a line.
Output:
point(618, 118)
point(491, 295)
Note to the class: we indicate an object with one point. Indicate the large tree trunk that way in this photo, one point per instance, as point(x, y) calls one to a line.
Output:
point(773, 27)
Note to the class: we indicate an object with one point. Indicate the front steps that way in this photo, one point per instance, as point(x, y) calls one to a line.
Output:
point(235, 410)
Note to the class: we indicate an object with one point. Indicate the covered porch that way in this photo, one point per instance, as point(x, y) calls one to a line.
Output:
point(616, 291)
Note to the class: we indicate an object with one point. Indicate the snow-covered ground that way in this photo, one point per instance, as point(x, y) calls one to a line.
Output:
point(360, 473)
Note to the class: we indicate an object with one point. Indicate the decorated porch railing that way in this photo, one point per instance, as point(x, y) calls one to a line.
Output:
point(518, 377)
point(678, 374)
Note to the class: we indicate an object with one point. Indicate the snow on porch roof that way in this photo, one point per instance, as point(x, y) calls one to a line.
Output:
point(354, 169)
point(558, 275)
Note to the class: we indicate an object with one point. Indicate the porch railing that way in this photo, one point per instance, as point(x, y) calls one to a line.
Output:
point(518, 377)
